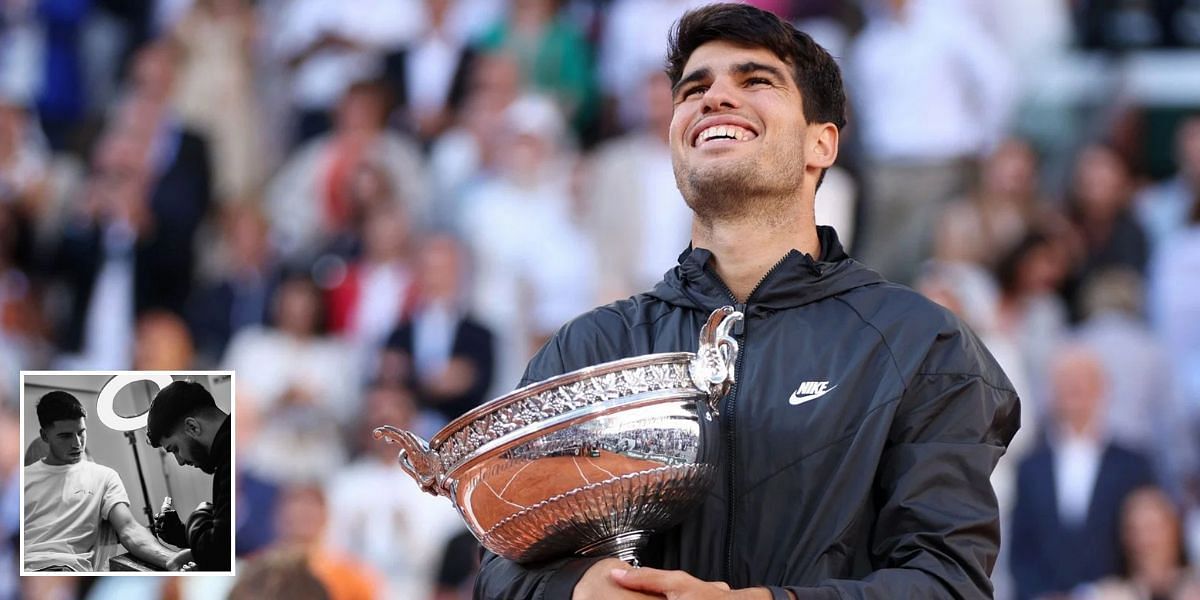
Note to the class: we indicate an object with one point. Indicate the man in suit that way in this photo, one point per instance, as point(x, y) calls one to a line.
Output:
point(1071, 487)
point(444, 354)
point(131, 248)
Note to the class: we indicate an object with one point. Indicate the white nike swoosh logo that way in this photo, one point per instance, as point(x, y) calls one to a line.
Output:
point(797, 399)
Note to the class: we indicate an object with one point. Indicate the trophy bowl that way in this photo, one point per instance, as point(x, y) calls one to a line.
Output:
point(587, 463)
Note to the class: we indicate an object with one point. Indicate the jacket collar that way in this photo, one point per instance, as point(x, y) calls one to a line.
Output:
point(796, 280)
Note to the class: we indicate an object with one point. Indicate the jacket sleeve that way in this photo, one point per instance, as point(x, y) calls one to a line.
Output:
point(937, 533)
point(502, 579)
point(208, 530)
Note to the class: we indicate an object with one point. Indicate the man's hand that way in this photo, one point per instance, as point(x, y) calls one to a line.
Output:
point(170, 529)
point(677, 585)
point(597, 583)
point(181, 561)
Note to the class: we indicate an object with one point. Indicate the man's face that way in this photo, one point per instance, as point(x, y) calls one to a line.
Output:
point(188, 450)
point(738, 128)
point(67, 438)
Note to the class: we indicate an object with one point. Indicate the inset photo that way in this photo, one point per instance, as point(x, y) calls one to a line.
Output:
point(127, 472)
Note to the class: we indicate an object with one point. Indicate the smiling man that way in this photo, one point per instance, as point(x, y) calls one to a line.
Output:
point(185, 421)
point(68, 500)
point(857, 446)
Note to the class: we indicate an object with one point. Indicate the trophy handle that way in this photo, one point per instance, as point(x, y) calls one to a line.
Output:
point(712, 370)
point(415, 458)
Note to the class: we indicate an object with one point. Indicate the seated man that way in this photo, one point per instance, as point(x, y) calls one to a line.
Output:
point(68, 500)
point(185, 421)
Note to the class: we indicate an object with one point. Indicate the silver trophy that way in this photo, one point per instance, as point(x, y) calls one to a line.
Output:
point(587, 463)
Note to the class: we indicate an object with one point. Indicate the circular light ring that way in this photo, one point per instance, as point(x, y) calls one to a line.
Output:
point(108, 397)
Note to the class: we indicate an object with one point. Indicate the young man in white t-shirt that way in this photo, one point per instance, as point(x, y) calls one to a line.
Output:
point(68, 499)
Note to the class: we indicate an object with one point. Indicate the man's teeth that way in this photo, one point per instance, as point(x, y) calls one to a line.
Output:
point(727, 131)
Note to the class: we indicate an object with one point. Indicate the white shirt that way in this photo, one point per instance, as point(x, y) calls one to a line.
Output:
point(108, 330)
point(65, 506)
point(434, 329)
point(380, 515)
point(378, 25)
point(938, 61)
point(382, 293)
point(534, 268)
point(269, 361)
point(431, 67)
point(1076, 464)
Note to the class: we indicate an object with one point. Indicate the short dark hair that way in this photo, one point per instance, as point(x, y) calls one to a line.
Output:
point(816, 73)
point(58, 406)
point(173, 404)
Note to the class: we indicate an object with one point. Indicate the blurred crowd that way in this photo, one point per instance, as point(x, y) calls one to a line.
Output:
point(375, 211)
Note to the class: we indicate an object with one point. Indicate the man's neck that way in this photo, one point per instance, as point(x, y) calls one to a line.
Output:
point(744, 250)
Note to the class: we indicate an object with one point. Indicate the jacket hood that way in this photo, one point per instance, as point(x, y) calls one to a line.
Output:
point(796, 280)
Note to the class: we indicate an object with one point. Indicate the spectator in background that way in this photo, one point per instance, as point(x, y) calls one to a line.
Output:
point(216, 93)
point(470, 150)
point(96, 257)
point(377, 290)
point(1173, 301)
point(62, 101)
point(369, 189)
point(131, 248)
point(279, 574)
point(21, 50)
point(994, 217)
point(162, 343)
point(429, 75)
point(555, 58)
point(1163, 209)
point(526, 286)
point(922, 57)
point(441, 352)
point(1100, 205)
point(1145, 409)
point(329, 45)
point(314, 197)
point(177, 176)
point(24, 179)
point(1153, 560)
point(1030, 315)
point(305, 379)
point(635, 212)
point(238, 298)
point(302, 522)
point(378, 514)
point(1066, 522)
point(22, 335)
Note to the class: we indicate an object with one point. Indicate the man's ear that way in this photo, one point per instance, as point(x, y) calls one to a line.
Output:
point(823, 145)
point(42, 434)
point(192, 427)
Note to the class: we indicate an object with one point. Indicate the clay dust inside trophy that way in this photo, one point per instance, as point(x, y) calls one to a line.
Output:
point(585, 463)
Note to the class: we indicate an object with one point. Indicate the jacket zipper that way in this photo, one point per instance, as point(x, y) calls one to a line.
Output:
point(739, 332)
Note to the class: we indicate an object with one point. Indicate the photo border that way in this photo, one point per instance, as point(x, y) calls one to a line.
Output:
point(232, 572)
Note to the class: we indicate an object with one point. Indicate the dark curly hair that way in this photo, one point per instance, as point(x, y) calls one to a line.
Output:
point(817, 75)
point(58, 406)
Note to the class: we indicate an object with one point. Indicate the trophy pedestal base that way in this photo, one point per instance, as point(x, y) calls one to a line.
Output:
point(624, 546)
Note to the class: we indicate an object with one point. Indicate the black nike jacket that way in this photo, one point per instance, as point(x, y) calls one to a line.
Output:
point(856, 447)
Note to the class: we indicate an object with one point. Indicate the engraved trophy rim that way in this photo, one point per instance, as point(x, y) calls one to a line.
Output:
point(533, 389)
